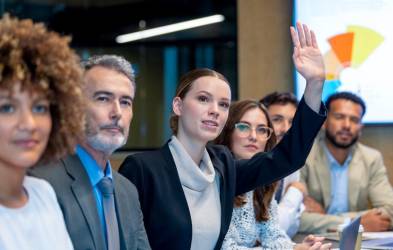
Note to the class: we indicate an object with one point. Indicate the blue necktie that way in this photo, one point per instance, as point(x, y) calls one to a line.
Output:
point(278, 195)
point(108, 201)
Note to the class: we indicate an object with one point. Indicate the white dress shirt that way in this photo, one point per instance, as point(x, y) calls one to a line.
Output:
point(291, 206)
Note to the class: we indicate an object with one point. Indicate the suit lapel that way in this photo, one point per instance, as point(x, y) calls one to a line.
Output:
point(354, 175)
point(323, 173)
point(121, 211)
point(177, 189)
point(219, 167)
point(83, 193)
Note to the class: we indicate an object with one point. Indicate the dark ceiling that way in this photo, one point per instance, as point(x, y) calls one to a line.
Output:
point(98, 22)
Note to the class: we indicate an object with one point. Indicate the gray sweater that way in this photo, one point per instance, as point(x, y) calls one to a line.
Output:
point(201, 188)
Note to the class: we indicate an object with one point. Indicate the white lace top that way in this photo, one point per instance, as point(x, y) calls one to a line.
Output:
point(245, 231)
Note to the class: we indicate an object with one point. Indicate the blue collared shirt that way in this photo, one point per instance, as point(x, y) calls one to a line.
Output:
point(95, 174)
point(339, 184)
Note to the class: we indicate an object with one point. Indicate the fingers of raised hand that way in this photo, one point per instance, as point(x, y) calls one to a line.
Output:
point(307, 35)
point(295, 37)
point(300, 33)
point(314, 40)
point(303, 36)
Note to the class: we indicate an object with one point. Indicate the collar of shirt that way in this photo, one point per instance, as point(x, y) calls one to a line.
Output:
point(338, 183)
point(95, 174)
point(332, 161)
point(193, 176)
point(93, 170)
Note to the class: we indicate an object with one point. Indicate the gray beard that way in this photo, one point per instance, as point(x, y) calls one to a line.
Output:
point(105, 147)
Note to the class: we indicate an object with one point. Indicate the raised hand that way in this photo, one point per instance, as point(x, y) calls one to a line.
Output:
point(309, 63)
point(306, 55)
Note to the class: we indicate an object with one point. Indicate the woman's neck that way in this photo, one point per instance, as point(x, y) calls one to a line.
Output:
point(194, 148)
point(12, 193)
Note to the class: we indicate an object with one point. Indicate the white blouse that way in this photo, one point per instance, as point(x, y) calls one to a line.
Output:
point(39, 224)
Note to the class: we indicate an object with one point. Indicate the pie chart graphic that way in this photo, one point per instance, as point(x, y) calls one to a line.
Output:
point(348, 51)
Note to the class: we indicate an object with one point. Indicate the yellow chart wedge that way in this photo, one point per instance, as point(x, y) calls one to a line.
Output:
point(365, 42)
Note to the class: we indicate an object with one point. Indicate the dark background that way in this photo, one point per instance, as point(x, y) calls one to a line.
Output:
point(158, 61)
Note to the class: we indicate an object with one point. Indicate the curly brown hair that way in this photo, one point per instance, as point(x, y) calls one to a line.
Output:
point(262, 195)
point(42, 61)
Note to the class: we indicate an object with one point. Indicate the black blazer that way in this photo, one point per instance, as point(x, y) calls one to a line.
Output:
point(75, 195)
point(166, 215)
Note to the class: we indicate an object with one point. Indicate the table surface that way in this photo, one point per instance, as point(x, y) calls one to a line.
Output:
point(298, 238)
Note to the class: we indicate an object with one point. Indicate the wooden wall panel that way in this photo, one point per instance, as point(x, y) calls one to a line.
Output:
point(264, 47)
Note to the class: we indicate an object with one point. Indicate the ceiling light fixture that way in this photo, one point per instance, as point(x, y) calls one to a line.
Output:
point(169, 28)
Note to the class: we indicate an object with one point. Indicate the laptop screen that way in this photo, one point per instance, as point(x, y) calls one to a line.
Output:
point(349, 235)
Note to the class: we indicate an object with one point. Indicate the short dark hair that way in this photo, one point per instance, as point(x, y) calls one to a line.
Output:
point(114, 62)
point(346, 96)
point(280, 98)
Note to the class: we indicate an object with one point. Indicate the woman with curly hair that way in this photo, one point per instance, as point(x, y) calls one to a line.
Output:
point(40, 120)
point(254, 223)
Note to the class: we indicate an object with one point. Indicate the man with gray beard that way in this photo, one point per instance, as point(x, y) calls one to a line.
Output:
point(100, 207)
point(345, 178)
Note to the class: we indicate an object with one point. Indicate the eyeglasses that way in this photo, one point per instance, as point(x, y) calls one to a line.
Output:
point(245, 129)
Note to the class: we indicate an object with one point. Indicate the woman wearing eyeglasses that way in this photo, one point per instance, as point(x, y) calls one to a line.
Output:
point(186, 188)
point(254, 223)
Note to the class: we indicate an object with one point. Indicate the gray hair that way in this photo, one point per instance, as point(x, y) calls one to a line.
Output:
point(114, 62)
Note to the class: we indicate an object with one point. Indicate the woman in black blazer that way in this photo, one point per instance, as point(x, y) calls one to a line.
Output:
point(178, 214)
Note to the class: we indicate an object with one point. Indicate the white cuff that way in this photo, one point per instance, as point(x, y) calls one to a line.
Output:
point(293, 196)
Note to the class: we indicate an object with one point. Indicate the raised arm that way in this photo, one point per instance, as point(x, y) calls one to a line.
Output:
point(308, 61)
point(292, 151)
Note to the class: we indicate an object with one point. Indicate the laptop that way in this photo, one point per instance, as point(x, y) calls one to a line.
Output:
point(349, 235)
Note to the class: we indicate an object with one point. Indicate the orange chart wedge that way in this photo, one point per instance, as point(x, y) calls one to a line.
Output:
point(342, 46)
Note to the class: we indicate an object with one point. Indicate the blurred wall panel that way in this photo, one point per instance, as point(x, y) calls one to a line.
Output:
point(264, 47)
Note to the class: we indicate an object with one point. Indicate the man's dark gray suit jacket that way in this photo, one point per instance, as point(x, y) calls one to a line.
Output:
point(76, 198)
